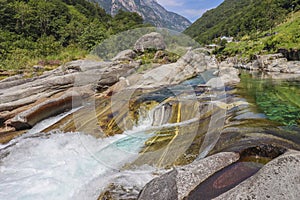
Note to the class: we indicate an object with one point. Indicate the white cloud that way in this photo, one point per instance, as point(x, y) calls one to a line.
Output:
point(191, 9)
point(193, 14)
point(171, 3)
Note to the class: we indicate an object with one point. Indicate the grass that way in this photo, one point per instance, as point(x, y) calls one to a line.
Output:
point(21, 61)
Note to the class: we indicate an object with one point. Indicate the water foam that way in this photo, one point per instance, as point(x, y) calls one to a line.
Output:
point(73, 165)
point(59, 165)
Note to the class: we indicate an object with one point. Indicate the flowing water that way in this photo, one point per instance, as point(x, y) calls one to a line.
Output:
point(69, 165)
point(169, 126)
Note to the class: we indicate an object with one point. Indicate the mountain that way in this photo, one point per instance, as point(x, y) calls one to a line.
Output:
point(241, 17)
point(151, 11)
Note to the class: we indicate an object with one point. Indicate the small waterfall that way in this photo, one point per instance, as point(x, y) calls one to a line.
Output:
point(161, 114)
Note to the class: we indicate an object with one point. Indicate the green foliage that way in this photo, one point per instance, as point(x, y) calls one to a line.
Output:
point(125, 20)
point(285, 35)
point(241, 17)
point(92, 34)
point(35, 30)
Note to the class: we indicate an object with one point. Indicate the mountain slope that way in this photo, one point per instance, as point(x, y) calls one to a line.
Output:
point(52, 32)
point(150, 10)
point(241, 17)
point(285, 38)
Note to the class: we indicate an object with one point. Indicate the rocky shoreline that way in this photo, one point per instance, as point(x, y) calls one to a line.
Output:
point(277, 63)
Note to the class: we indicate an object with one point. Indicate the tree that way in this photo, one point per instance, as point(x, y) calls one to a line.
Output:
point(92, 35)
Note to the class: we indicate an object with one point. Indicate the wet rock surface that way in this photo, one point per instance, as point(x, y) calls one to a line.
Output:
point(180, 181)
point(25, 102)
point(279, 179)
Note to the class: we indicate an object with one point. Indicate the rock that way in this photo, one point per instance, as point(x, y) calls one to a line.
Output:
point(33, 88)
point(162, 75)
point(159, 55)
point(161, 188)
point(255, 65)
point(293, 67)
point(226, 76)
point(38, 68)
point(204, 50)
point(26, 101)
point(112, 75)
point(117, 191)
point(46, 109)
point(279, 179)
point(151, 41)
point(271, 63)
point(178, 183)
point(226, 64)
point(190, 176)
point(125, 55)
point(186, 67)
point(86, 65)
point(12, 78)
point(192, 58)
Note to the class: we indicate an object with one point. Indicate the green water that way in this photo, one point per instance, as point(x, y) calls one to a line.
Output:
point(279, 100)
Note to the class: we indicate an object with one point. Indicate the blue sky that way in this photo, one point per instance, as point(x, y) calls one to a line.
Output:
point(191, 9)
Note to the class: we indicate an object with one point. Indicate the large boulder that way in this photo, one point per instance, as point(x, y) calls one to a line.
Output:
point(125, 55)
point(48, 108)
point(178, 183)
point(190, 176)
point(163, 187)
point(151, 41)
point(112, 75)
point(279, 179)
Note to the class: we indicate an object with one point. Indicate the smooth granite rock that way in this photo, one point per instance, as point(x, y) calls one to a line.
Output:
point(161, 188)
point(190, 176)
point(277, 180)
point(182, 180)
point(125, 55)
point(151, 41)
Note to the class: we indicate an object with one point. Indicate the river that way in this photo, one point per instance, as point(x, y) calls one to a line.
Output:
point(170, 126)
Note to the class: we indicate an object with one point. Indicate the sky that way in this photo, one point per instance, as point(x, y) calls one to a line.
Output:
point(191, 9)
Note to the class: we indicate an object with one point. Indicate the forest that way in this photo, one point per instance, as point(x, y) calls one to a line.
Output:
point(49, 33)
point(238, 18)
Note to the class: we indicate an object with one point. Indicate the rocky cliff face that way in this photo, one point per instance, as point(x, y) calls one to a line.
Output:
point(150, 10)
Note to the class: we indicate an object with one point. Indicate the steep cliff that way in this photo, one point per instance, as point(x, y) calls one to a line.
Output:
point(150, 10)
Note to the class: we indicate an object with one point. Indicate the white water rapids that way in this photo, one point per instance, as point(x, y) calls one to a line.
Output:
point(73, 165)
point(69, 165)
